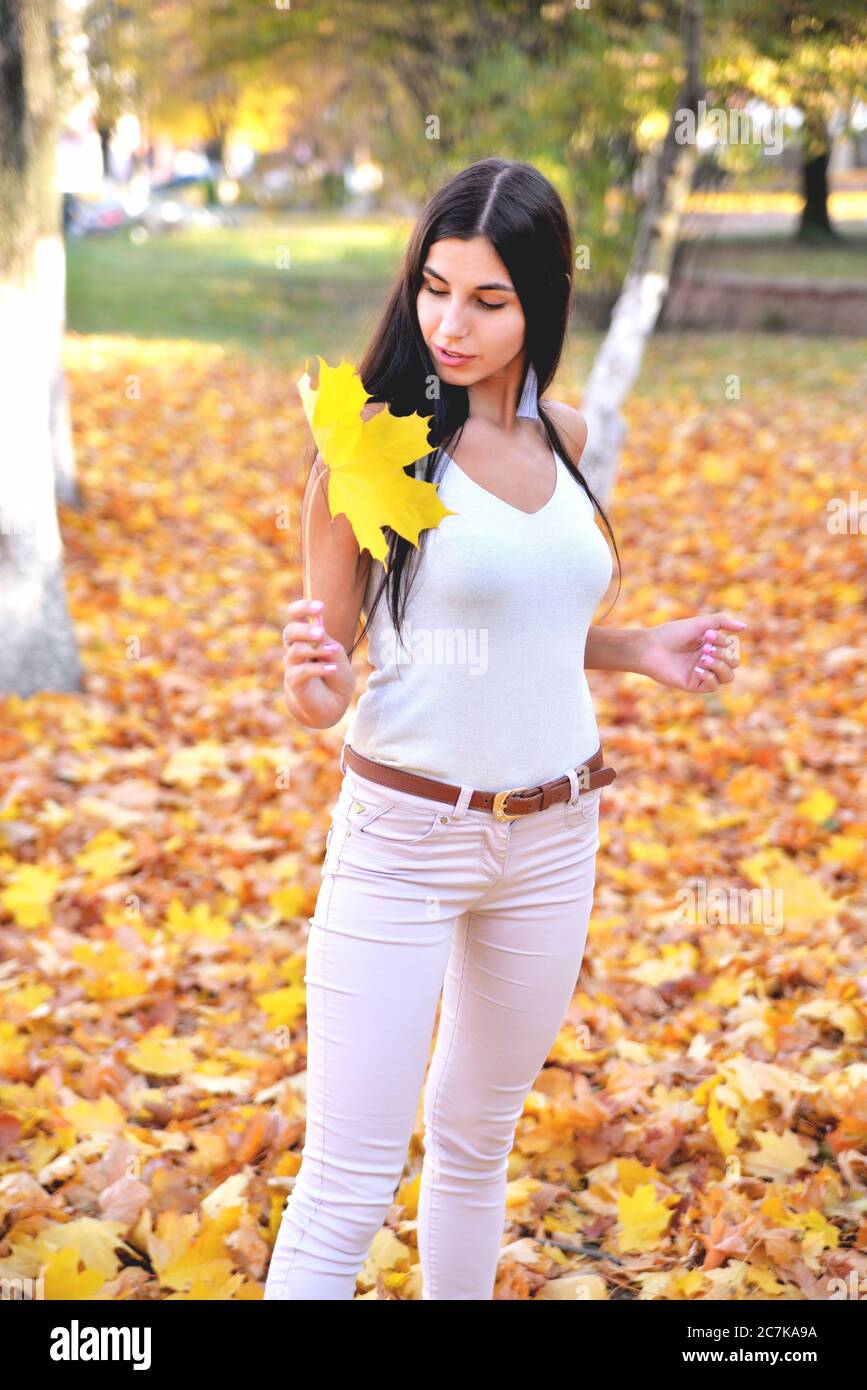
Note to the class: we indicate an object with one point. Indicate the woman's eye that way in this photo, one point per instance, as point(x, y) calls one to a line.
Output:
point(438, 294)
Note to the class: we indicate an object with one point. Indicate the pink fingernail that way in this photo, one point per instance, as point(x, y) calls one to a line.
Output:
point(700, 670)
point(330, 666)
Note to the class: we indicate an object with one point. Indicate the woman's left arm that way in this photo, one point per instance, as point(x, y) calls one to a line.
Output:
point(695, 654)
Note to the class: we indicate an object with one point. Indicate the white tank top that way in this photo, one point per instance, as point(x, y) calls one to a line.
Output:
point(489, 688)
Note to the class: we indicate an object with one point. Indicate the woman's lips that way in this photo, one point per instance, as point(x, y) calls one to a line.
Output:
point(451, 359)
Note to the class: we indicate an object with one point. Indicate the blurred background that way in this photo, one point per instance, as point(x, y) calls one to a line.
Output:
point(230, 126)
point(196, 199)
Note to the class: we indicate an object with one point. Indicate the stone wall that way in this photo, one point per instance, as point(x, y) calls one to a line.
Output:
point(751, 302)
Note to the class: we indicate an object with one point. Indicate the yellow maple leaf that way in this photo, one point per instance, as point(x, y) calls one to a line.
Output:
point(632, 1174)
point(366, 459)
point(846, 849)
point(407, 1196)
point(186, 1254)
point(90, 1116)
point(98, 1244)
point(644, 1218)
point(288, 902)
point(13, 1047)
point(213, 1281)
point(520, 1191)
point(102, 957)
point(819, 1233)
point(189, 765)
point(387, 1254)
point(778, 1155)
point(196, 921)
point(724, 1133)
point(648, 851)
point(842, 1016)
point(284, 1007)
point(157, 1056)
point(685, 1281)
point(804, 897)
point(673, 962)
point(819, 806)
point(30, 999)
point(172, 1234)
point(765, 1280)
point(30, 894)
point(105, 857)
point(65, 1282)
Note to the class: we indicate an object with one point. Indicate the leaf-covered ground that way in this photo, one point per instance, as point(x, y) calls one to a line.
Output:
point(700, 1130)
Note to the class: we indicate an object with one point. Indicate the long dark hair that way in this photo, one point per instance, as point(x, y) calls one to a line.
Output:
point(523, 217)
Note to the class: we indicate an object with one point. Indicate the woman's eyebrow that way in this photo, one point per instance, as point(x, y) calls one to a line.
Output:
point(492, 285)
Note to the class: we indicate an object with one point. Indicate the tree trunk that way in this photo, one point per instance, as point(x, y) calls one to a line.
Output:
point(105, 141)
point(53, 288)
point(645, 286)
point(215, 149)
point(37, 643)
point(815, 223)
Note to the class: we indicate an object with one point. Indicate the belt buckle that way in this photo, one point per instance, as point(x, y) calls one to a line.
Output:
point(499, 799)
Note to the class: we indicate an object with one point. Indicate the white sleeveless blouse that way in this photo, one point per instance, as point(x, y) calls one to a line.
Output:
point(489, 688)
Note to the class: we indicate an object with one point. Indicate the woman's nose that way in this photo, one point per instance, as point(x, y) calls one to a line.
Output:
point(452, 322)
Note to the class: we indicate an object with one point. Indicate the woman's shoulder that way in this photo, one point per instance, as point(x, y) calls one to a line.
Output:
point(571, 424)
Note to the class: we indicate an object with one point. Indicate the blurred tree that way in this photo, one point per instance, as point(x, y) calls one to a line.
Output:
point(618, 361)
point(583, 92)
point(38, 649)
point(70, 75)
point(154, 59)
point(437, 84)
point(810, 55)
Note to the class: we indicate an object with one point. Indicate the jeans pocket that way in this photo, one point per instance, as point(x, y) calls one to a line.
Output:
point(333, 843)
point(399, 822)
point(376, 812)
point(585, 810)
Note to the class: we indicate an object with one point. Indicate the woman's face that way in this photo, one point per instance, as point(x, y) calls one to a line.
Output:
point(467, 303)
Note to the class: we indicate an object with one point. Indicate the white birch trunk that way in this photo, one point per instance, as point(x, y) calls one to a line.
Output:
point(53, 286)
point(37, 643)
point(633, 319)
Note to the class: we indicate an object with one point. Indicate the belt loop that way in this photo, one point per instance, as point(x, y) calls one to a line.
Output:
point(463, 801)
point(343, 757)
point(573, 783)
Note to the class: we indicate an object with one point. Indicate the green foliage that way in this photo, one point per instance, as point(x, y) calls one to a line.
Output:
point(427, 88)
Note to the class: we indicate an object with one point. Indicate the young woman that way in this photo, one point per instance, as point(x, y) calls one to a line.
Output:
point(462, 849)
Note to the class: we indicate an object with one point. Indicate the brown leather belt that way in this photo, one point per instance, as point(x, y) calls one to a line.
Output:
point(522, 801)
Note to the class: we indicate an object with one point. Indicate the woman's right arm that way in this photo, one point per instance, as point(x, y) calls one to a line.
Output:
point(318, 680)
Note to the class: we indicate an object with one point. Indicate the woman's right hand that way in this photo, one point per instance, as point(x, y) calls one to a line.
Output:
point(318, 681)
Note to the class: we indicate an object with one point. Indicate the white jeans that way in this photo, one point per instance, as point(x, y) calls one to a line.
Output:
point(418, 896)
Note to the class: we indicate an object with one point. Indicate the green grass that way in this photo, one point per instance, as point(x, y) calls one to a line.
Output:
point(779, 255)
point(234, 287)
point(770, 366)
point(288, 286)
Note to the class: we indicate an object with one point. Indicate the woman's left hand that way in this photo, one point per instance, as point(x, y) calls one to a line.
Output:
point(693, 654)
